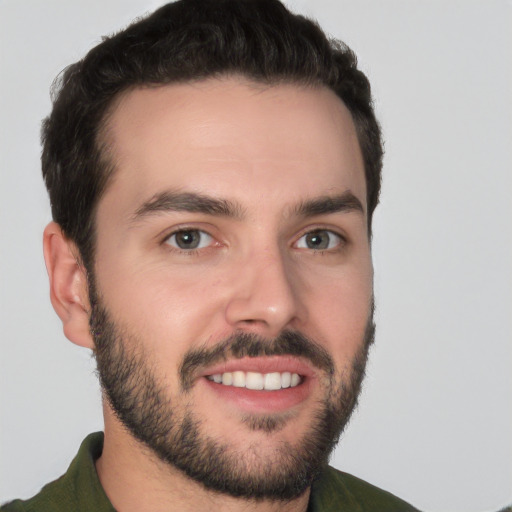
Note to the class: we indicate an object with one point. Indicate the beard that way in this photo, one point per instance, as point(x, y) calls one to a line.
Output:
point(177, 436)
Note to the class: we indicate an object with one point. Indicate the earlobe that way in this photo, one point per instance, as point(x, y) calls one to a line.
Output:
point(68, 285)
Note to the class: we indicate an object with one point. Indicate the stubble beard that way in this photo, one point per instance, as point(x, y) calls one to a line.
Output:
point(178, 437)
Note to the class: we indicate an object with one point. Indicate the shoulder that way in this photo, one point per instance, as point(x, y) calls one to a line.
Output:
point(53, 496)
point(336, 490)
point(77, 490)
point(13, 506)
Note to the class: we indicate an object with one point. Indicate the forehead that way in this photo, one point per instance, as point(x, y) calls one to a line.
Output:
point(232, 137)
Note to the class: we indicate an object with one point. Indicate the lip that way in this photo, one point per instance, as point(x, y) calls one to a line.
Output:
point(261, 401)
point(266, 364)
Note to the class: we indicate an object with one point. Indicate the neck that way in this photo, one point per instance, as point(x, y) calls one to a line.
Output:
point(134, 479)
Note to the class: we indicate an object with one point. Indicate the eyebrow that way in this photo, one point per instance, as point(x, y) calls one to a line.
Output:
point(188, 202)
point(343, 203)
point(168, 201)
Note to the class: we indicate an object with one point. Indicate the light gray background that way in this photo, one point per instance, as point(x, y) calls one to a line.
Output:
point(435, 421)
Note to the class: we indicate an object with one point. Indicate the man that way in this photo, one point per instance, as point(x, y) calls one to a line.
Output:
point(213, 170)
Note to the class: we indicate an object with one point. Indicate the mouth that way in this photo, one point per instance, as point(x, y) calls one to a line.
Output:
point(262, 384)
point(257, 381)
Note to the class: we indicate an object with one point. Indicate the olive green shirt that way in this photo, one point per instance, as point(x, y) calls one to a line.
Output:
point(79, 490)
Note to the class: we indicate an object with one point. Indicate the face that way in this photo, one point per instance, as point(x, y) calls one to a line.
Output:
point(233, 281)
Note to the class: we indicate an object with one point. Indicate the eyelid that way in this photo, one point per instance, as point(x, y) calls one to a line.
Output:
point(203, 244)
point(342, 239)
point(170, 232)
point(177, 228)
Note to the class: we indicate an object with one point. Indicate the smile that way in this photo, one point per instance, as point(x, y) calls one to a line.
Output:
point(261, 385)
point(257, 381)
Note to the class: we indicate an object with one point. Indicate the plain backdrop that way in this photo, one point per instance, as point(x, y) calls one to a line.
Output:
point(435, 421)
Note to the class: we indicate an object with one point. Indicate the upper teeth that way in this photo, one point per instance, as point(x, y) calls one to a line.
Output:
point(257, 381)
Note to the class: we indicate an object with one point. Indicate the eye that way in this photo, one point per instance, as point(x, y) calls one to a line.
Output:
point(189, 239)
point(319, 240)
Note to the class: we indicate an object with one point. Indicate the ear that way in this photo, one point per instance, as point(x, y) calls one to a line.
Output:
point(68, 285)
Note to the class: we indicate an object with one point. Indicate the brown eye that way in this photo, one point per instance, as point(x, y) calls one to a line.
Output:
point(189, 239)
point(319, 240)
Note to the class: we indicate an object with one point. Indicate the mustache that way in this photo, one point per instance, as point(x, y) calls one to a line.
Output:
point(243, 344)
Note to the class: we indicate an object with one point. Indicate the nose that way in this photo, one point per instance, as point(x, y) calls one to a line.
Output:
point(265, 297)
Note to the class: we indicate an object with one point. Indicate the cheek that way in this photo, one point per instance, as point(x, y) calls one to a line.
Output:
point(340, 312)
point(169, 311)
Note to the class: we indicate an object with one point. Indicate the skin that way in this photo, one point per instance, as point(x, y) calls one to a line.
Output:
point(267, 149)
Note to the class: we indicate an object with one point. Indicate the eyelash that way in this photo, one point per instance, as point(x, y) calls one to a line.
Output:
point(342, 241)
point(185, 229)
